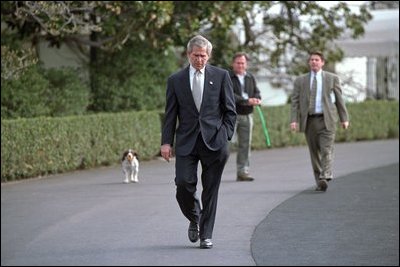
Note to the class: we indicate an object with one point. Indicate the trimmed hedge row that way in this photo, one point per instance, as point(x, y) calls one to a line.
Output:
point(42, 146)
point(369, 120)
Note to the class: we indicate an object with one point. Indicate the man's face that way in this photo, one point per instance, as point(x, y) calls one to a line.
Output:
point(316, 63)
point(198, 57)
point(239, 65)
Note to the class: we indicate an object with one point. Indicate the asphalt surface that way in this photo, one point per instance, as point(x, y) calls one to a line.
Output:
point(91, 218)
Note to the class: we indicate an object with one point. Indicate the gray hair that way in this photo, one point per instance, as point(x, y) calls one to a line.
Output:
point(199, 41)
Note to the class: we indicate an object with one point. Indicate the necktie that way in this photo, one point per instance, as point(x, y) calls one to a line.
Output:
point(313, 93)
point(196, 89)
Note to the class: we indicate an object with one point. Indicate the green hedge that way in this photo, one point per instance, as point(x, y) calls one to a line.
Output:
point(369, 120)
point(41, 146)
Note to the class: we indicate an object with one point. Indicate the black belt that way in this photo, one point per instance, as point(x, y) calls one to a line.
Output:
point(315, 115)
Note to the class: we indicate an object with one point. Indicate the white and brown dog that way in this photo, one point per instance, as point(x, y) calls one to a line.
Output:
point(130, 166)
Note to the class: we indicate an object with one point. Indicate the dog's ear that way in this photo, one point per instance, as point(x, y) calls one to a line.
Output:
point(136, 155)
point(124, 155)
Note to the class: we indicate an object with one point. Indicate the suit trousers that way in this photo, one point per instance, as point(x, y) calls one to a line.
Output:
point(320, 144)
point(186, 167)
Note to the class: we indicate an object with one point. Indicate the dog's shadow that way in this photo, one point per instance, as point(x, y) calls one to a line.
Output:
point(117, 183)
point(174, 247)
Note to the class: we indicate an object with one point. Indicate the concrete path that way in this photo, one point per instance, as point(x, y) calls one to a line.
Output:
point(91, 218)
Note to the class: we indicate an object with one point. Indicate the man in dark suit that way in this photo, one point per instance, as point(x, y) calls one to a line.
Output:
point(316, 103)
point(200, 98)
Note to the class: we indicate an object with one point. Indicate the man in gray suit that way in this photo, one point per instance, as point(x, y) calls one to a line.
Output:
point(200, 98)
point(316, 102)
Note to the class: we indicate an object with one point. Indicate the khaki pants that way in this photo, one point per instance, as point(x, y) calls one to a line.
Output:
point(243, 136)
point(320, 144)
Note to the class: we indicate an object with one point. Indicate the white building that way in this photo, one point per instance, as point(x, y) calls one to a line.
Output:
point(374, 58)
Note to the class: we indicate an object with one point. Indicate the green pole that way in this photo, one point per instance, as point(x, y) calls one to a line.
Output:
point(264, 126)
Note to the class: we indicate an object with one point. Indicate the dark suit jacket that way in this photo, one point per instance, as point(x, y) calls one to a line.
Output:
point(217, 116)
point(333, 103)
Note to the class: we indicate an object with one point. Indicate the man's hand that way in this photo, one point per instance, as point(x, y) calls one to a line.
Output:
point(254, 101)
point(345, 125)
point(166, 152)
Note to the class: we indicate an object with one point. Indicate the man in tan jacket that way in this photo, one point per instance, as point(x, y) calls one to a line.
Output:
point(316, 103)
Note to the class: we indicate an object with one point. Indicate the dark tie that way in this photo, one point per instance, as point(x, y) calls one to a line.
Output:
point(196, 90)
point(313, 93)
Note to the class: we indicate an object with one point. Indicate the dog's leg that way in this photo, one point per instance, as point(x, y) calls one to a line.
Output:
point(136, 175)
point(126, 181)
point(132, 175)
point(136, 172)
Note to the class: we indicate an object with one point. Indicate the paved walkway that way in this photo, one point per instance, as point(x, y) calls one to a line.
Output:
point(92, 218)
point(355, 223)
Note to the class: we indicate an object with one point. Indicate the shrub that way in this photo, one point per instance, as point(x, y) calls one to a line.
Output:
point(24, 97)
point(67, 93)
point(38, 92)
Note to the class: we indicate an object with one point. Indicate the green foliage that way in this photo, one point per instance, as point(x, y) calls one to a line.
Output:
point(372, 120)
point(75, 142)
point(123, 35)
point(305, 26)
point(67, 93)
point(298, 26)
point(369, 120)
point(38, 92)
point(127, 80)
point(277, 122)
point(15, 62)
point(114, 22)
point(25, 97)
point(79, 142)
point(213, 19)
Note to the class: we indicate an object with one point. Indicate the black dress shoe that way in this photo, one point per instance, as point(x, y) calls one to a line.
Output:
point(206, 243)
point(193, 232)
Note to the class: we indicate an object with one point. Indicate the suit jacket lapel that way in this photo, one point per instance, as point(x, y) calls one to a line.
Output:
point(324, 82)
point(185, 82)
point(306, 85)
point(208, 81)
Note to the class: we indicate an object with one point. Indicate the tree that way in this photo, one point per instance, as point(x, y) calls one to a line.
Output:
point(276, 34)
point(99, 29)
point(298, 26)
point(105, 25)
point(61, 21)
